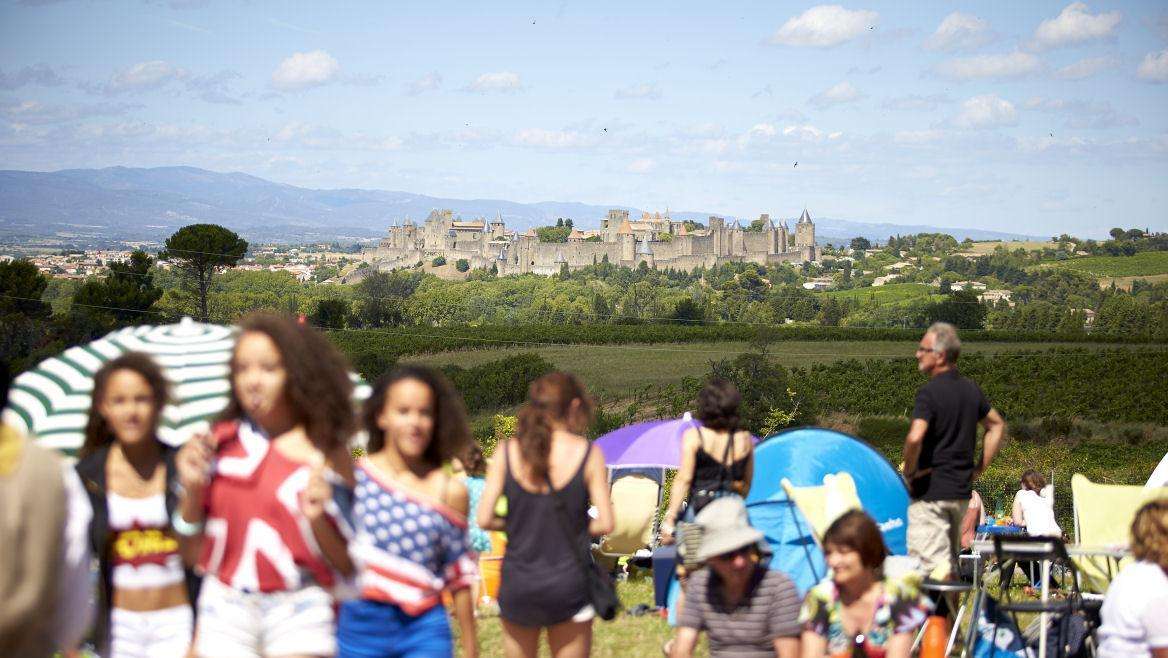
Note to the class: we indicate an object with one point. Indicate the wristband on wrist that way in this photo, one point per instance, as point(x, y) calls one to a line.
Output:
point(184, 527)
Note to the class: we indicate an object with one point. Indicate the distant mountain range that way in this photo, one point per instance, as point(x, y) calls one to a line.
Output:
point(121, 203)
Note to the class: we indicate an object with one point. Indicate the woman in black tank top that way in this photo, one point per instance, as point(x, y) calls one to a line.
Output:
point(704, 475)
point(542, 584)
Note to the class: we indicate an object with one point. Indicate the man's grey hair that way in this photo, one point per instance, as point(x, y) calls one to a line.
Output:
point(945, 341)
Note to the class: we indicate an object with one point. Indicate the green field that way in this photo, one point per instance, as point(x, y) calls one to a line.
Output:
point(1145, 263)
point(618, 370)
point(886, 294)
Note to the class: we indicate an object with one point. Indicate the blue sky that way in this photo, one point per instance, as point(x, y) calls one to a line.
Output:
point(1032, 117)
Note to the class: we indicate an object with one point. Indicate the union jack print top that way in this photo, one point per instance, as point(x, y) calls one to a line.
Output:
point(255, 538)
point(407, 547)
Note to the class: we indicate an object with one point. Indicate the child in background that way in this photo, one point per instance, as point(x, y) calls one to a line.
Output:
point(409, 514)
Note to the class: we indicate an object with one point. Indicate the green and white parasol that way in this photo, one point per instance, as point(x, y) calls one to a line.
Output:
point(51, 401)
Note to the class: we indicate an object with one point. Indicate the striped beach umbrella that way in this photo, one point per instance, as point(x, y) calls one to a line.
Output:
point(51, 401)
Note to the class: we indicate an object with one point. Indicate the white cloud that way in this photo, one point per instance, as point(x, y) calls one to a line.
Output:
point(144, 75)
point(1154, 68)
point(1074, 25)
point(1086, 68)
point(432, 81)
point(503, 81)
point(986, 111)
point(644, 90)
point(916, 102)
point(825, 26)
point(959, 31)
point(552, 139)
point(37, 74)
point(803, 133)
point(304, 70)
point(1011, 65)
point(915, 137)
point(839, 94)
point(1095, 115)
point(642, 166)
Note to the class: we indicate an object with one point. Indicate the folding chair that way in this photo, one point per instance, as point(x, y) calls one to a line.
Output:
point(635, 501)
point(1103, 516)
point(1051, 552)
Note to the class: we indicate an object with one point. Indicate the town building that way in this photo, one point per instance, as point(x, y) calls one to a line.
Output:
point(654, 239)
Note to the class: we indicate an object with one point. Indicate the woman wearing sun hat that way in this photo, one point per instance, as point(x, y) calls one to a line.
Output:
point(746, 609)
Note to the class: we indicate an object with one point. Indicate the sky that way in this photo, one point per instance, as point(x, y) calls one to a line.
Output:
point(1031, 117)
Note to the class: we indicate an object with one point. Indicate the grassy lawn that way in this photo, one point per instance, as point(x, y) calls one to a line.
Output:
point(623, 636)
point(890, 293)
point(1145, 263)
point(983, 248)
point(619, 369)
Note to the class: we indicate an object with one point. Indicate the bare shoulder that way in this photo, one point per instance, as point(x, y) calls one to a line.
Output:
point(691, 439)
point(457, 497)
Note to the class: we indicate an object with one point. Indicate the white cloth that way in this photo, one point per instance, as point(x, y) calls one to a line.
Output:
point(1134, 613)
point(164, 632)
point(1159, 477)
point(1037, 514)
point(235, 624)
point(75, 603)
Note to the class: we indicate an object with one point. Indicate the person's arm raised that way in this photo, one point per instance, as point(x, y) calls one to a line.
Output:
point(596, 477)
point(492, 489)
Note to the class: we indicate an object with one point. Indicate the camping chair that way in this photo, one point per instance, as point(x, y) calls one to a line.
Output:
point(635, 499)
point(820, 505)
point(1103, 516)
point(1051, 552)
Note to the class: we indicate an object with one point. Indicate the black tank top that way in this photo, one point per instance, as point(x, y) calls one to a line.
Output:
point(712, 476)
point(542, 583)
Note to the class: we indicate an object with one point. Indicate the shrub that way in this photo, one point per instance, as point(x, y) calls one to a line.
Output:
point(462, 265)
point(498, 384)
point(439, 261)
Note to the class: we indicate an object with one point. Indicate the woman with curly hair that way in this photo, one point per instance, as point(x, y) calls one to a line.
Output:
point(549, 473)
point(268, 537)
point(146, 595)
point(409, 515)
point(1135, 612)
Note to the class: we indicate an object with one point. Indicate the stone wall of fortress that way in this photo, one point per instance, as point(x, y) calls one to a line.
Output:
point(489, 245)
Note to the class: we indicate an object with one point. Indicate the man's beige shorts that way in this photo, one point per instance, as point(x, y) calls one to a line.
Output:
point(934, 534)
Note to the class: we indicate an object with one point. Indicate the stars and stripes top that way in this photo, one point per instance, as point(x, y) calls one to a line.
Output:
point(256, 538)
point(407, 547)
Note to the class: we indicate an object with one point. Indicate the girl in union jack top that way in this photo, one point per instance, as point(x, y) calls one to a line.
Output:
point(410, 522)
point(268, 544)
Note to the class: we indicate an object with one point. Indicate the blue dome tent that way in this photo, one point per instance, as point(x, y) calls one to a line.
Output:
point(804, 456)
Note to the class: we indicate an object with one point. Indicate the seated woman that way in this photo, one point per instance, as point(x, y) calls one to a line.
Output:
point(746, 609)
point(855, 611)
point(1033, 510)
point(1135, 624)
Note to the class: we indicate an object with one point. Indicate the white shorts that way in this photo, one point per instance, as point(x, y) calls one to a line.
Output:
point(234, 624)
point(148, 634)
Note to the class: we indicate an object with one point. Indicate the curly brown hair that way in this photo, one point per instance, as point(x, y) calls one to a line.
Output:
point(549, 400)
point(318, 387)
point(97, 431)
point(1149, 533)
point(473, 460)
point(718, 403)
point(451, 430)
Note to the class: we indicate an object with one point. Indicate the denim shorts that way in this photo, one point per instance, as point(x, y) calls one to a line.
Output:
point(372, 629)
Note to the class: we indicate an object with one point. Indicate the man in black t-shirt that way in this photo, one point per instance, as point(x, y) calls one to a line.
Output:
point(939, 451)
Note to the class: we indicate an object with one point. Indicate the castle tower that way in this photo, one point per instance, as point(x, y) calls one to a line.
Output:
point(717, 232)
point(784, 237)
point(768, 227)
point(627, 246)
point(804, 231)
point(737, 241)
point(645, 254)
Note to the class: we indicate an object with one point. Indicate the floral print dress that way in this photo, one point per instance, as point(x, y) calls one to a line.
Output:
point(901, 608)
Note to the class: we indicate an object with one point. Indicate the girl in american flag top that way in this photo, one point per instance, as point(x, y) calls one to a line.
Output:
point(411, 538)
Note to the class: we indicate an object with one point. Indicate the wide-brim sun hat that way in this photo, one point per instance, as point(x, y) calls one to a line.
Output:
point(725, 528)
